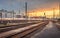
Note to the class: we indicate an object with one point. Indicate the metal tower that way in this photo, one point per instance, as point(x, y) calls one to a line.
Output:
point(26, 10)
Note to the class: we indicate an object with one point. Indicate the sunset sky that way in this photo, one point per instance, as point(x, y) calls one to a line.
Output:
point(35, 7)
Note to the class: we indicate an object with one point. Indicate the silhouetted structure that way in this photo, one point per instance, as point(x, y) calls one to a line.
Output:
point(26, 10)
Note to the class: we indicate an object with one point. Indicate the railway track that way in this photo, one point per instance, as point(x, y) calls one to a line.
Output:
point(57, 24)
point(22, 32)
point(12, 27)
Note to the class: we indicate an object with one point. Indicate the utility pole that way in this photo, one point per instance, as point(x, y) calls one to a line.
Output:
point(19, 12)
point(59, 9)
point(53, 13)
point(5, 14)
point(1, 17)
point(12, 11)
point(13, 14)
